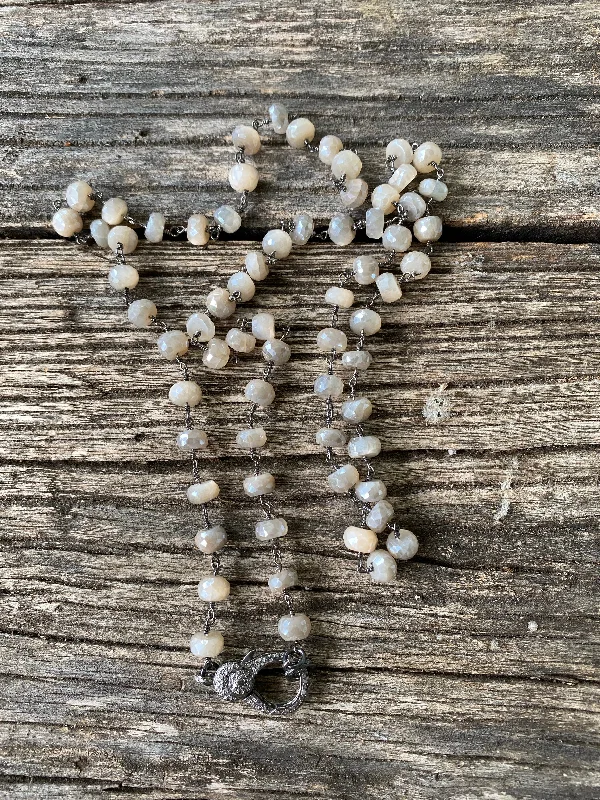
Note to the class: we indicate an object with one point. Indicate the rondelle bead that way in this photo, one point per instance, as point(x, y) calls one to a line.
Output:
point(383, 567)
point(122, 235)
point(200, 326)
point(375, 222)
point(354, 193)
point(260, 392)
point(276, 351)
point(209, 540)
point(402, 177)
point(435, 189)
point(213, 588)
point(389, 288)
point(241, 283)
point(357, 410)
point(397, 238)
point(197, 230)
point(99, 231)
point(328, 386)
point(251, 438)
point(172, 344)
point(284, 579)
point(365, 319)
point(256, 266)
point(216, 354)
point(207, 645)
point(370, 491)
point(364, 447)
point(379, 516)
point(293, 627)
point(366, 269)
point(243, 177)
point(240, 341)
point(155, 227)
point(332, 339)
point(219, 304)
point(247, 137)
point(192, 439)
point(122, 276)
point(228, 219)
point(341, 229)
point(360, 540)
point(401, 150)
point(343, 479)
point(329, 147)
point(346, 164)
point(263, 326)
point(200, 493)
point(185, 393)
point(267, 529)
point(402, 544)
point(303, 229)
point(413, 204)
point(338, 296)
point(299, 131)
point(278, 115)
point(330, 437)
point(428, 229)
point(384, 196)
point(416, 264)
point(114, 210)
point(257, 485)
point(141, 313)
point(425, 154)
point(79, 196)
point(277, 243)
point(357, 359)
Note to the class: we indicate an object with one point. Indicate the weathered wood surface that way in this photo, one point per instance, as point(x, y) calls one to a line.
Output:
point(442, 686)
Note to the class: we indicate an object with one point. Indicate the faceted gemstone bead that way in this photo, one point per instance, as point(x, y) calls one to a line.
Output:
point(240, 341)
point(366, 269)
point(343, 479)
point(416, 264)
point(403, 545)
point(197, 230)
point(402, 177)
point(241, 283)
point(155, 227)
point(329, 147)
point(389, 288)
point(99, 231)
point(303, 229)
point(355, 192)
point(379, 516)
point(338, 296)
point(357, 410)
point(357, 359)
point(428, 229)
point(294, 627)
point(330, 437)
point(341, 229)
point(332, 339)
point(276, 351)
point(251, 438)
point(365, 319)
point(401, 149)
point(383, 567)
point(114, 210)
point(435, 189)
point(219, 304)
point(360, 540)
point(213, 588)
point(299, 131)
point(397, 238)
point(270, 528)
point(78, 196)
point(346, 164)
point(256, 266)
point(277, 243)
point(192, 439)
point(260, 392)
point(375, 221)
point(200, 493)
point(263, 326)
point(413, 204)
point(216, 354)
point(328, 386)
point(209, 540)
point(284, 579)
point(122, 235)
point(257, 485)
point(185, 393)
point(364, 447)
point(207, 645)
point(141, 313)
point(425, 154)
point(172, 344)
point(122, 276)
point(201, 326)
point(384, 196)
point(279, 117)
point(243, 177)
point(228, 219)
point(247, 137)
point(370, 491)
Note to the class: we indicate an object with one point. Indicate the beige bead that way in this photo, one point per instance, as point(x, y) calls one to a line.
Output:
point(197, 230)
point(425, 154)
point(343, 479)
point(78, 196)
point(259, 392)
point(200, 326)
point(279, 117)
point(332, 339)
point(299, 131)
point(276, 351)
point(251, 438)
point(330, 437)
point(389, 288)
point(243, 177)
point(360, 540)
point(67, 222)
point(207, 645)
point(185, 393)
point(428, 229)
point(200, 493)
point(329, 147)
point(374, 223)
point(114, 210)
point(402, 545)
point(155, 227)
point(379, 516)
point(256, 266)
point(277, 243)
point(241, 283)
point(401, 150)
point(213, 588)
point(219, 303)
point(328, 386)
point(366, 269)
point(413, 204)
point(258, 485)
point(365, 319)
point(435, 189)
point(99, 231)
point(341, 229)
point(364, 447)
point(247, 137)
point(172, 344)
point(216, 354)
point(383, 567)
point(209, 540)
point(357, 410)
point(397, 238)
point(122, 235)
point(355, 192)
point(122, 276)
point(357, 359)
point(228, 219)
point(340, 297)
point(263, 326)
point(370, 491)
point(284, 579)
point(270, 529)
point(141, 313)
point(240, 341)
point(384, 197)
point(402, 177)
point(346, 164)
point(294, 627)
point(192, 439)
point(416, 264)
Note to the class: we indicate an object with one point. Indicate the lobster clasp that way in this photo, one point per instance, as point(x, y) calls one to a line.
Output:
point(234, 680)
